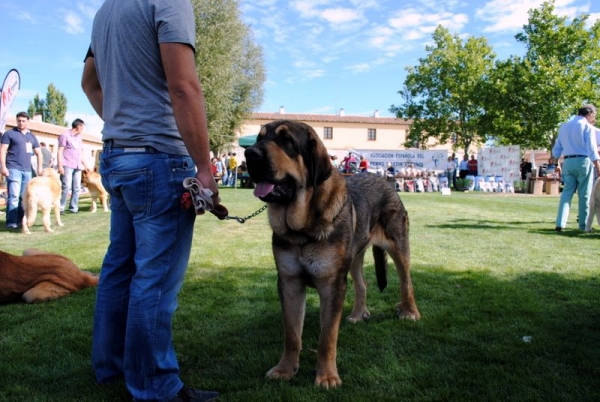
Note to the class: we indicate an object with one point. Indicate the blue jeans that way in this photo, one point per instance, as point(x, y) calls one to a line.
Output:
point(143, 270)
point(577, 174)
point(16, 184)
point(71, 181)
point(232, 178)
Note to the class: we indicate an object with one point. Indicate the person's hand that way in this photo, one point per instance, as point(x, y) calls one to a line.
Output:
point(5, 172)
point(208, 181)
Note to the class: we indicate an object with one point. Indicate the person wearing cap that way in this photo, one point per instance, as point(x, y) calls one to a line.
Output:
point(17, 147)
point(577, 143)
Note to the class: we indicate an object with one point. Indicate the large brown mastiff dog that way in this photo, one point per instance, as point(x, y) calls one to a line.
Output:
point(322, 225)
point(38, 276)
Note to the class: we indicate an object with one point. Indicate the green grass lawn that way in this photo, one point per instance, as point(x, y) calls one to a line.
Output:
point(510, 311)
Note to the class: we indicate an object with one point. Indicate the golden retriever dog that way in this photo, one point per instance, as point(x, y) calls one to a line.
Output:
point(322, 224)
point(594, 206)
point(38, 276)
point(43, 191)
point(93, 182)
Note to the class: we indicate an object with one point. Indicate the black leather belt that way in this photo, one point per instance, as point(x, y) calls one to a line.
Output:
point(575, 156)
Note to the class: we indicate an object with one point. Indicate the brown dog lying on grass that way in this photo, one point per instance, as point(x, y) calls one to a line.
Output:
point(43, 191)
point(38, 276)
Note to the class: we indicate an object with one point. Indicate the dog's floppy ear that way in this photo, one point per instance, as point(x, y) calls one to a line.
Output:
point(317, 159)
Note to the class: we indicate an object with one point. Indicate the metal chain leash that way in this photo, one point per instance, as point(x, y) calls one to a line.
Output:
point(243, 220)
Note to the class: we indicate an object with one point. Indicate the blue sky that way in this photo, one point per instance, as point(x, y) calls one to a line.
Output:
point(321, 55)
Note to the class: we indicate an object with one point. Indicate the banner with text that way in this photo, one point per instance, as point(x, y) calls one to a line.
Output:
point(417, 159)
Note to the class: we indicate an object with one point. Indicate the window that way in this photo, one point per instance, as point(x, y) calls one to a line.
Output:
point(372, 134)
point(328, 133)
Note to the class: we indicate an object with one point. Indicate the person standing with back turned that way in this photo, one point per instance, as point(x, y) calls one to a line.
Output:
point(577, 142)
point(140, 77)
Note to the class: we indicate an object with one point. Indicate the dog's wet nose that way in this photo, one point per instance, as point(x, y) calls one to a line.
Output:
point(252, 153)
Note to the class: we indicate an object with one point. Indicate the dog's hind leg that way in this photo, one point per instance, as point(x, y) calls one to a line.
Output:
point(104, 199)
point(359, 311)
point(44, 291)
point(94, 204)
point(292, 295)
point(46, 219)
point(400, 253)
point(57, 213)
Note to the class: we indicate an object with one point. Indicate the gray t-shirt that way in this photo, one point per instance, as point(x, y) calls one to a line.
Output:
point(137, 109)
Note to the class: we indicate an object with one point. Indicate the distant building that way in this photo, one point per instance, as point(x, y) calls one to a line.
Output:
point(341, 132)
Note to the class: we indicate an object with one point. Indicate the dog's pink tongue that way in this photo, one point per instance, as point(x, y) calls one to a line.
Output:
point(263, 189)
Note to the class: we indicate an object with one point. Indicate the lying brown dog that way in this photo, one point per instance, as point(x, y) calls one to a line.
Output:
point(93, 182)
point(43, 191)
point(38, 276)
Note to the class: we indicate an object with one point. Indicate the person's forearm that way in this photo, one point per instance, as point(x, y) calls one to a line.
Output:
point(91, 85)
point(190, 115)
point(187, 100)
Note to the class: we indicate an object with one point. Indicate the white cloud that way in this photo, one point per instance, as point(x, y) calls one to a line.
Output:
point(314, 73)
point(308, 8)
point(340, 15)
point(511, 15)
point(89, 9)
point(592, 19)
point(25, 16)
point(359, 68)
point(410, 18)
point(73, 23)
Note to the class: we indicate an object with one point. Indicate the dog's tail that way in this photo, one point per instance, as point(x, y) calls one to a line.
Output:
point(380, 257)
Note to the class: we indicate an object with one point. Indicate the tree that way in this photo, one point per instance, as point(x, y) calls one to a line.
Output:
point(528, 98)
point(52, 109)
point(441, 93)
point(230, 66)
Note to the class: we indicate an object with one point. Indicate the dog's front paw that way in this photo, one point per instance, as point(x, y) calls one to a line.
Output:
point(359, 316)
point(282, 372)
point(49, 230)
point(407, 313)
point(328, 380)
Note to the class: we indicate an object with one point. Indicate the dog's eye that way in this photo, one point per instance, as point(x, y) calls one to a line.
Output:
point(288, 144)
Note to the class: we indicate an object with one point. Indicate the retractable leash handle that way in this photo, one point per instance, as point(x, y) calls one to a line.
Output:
point(201, 199)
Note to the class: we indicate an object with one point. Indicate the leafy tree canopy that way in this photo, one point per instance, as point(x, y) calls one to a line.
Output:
point(528, 98)
point(230, 66)
point(459, 91)
point(440, 92)
point(52, 109)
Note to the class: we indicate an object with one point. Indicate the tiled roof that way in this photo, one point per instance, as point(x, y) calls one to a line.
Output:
point(329, 118)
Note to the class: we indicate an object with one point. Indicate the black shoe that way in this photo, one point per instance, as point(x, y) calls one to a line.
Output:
point(62, 212)
point(558, 229)
point(187, 394)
